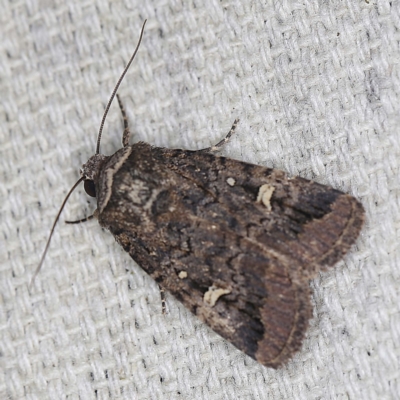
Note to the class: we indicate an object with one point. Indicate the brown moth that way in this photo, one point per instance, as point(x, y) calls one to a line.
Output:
point(236, 243)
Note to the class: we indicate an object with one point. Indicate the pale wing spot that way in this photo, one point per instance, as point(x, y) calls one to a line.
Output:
point(264, 195)
point(213, 294)
point(139, 192)
point(231, 181)
point(182, 275)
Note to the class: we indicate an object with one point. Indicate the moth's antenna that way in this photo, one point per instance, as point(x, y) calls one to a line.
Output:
point(52, 230)
point(116, 88)
point(97, 152)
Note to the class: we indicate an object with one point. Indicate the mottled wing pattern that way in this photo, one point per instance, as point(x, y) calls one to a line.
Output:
point(236, 243)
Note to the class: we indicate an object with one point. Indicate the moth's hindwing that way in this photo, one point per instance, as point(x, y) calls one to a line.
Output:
point(236, 243)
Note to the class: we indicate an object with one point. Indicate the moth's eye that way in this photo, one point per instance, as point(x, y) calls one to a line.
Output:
point(90, 189)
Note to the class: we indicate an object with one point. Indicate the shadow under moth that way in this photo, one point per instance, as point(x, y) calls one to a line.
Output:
point(236, 243)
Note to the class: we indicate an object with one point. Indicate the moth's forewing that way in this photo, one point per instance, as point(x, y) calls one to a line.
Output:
point(236, 243)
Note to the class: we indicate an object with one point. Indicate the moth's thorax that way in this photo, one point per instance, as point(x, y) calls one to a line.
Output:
point(90, 170)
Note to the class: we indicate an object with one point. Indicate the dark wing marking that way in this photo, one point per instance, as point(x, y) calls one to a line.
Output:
point(196, 224)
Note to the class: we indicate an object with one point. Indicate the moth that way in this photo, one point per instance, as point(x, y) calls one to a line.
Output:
point(236, 243)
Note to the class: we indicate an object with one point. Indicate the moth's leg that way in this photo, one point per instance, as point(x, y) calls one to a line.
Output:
point(218, 146)
point(126, 134)
point(163, 302)
point(80, 220)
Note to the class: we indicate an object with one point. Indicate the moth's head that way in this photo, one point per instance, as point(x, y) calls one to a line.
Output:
point(90, 173)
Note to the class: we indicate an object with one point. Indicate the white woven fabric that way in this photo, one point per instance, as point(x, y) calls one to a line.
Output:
point(316, 85)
